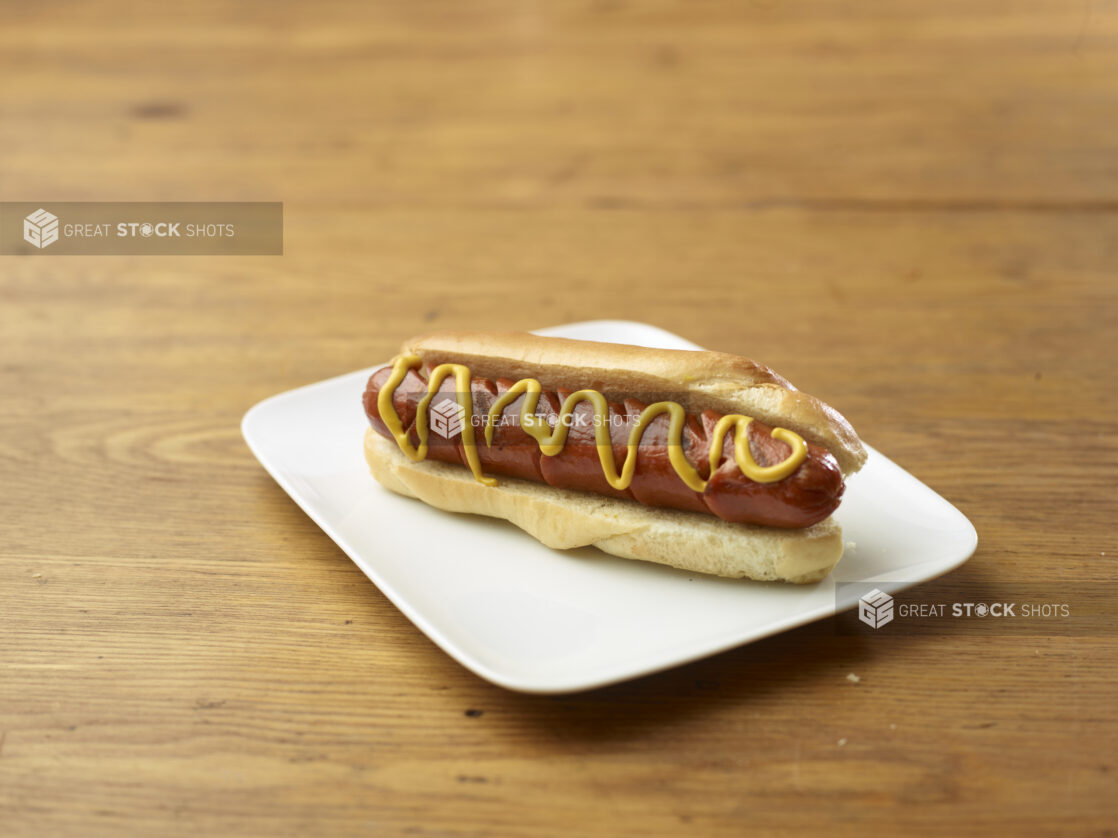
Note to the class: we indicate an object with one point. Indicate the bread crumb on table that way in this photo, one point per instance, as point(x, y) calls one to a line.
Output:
point(852, 678)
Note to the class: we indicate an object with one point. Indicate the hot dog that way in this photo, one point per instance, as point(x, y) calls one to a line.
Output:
point(701, 460)
point(808, 495)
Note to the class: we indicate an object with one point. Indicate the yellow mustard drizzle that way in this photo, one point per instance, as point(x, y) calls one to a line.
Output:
point(551, 441)
point(744, 457)
point(390, 418)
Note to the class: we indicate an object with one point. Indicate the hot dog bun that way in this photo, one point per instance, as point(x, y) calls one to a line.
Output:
point(563, 519)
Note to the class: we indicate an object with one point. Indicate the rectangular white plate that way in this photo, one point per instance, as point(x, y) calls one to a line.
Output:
point(538, 620)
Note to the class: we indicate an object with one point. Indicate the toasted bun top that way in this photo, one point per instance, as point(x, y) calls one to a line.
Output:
point(700, 380)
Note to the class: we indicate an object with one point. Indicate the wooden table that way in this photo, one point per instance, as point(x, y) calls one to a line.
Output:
point(909, 208)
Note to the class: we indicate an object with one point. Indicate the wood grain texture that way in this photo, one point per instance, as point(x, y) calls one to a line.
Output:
point(908, 208)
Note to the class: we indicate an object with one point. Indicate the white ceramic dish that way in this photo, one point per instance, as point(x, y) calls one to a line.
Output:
point(537, 620)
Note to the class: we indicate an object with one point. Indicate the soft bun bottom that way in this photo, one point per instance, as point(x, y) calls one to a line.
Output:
point(564, 519)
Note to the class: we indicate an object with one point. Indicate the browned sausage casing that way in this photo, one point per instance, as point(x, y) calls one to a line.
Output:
point(807, 496)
